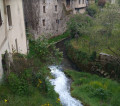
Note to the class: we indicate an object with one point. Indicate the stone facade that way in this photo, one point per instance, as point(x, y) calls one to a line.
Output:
point(12, 28)
point(53, 15)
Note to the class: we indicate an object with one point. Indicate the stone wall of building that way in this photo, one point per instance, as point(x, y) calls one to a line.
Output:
point(53, 15)
point(12, 28)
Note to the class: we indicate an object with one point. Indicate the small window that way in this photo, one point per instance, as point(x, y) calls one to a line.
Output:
point(67, 2)
point(0, 19)
point(79, 1)
point(44, 9)
point(57, 21)
point(55, 7)
point(9, 15)
point(44, 22)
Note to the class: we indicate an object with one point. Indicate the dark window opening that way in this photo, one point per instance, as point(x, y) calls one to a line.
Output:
point(57, 21)
point(44, 9)
point(9, 15)
point(55, 7)
point(0, 19)
point(44, 22)
point(67, 2)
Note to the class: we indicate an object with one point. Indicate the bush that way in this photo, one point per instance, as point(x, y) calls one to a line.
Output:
point(78, 24)
point(18, 85)
point(43, 50)
point(93, 56)
point(92, 10)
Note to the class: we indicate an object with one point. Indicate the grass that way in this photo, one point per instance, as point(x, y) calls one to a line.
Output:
point(98, 43)
point(93, 90)
point(36, 99)
point(59, 38)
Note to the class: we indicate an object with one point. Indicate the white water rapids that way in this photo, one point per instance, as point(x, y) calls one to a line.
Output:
point(62, 87)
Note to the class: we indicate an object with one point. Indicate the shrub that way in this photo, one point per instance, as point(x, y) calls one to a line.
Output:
point(78, 24)
point(93, 56)
point(99, 90)
point(92, 10)
point(17, 85)
point(101, 93)
point(43, 50)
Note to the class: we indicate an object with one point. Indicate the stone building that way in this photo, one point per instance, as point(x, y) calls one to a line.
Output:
point(50, 16)
point(12, 28)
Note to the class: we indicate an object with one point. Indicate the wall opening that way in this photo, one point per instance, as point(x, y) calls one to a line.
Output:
point(44, 11)
point(68, 3)
point(9, 15)
point(55, 7)
point(44, 22)
point(0, 19)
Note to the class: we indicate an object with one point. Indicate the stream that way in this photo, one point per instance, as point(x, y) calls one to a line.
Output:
point(62, 87)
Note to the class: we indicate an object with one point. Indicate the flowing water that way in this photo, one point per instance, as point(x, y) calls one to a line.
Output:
point(62, 87)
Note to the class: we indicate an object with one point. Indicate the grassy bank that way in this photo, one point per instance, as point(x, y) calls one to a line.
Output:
point(100, 44)
point(93, 90)
point(25, 82)
point(36, 99)
point(59, 38)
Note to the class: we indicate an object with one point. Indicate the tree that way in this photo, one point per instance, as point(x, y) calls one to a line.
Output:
point(79, 24)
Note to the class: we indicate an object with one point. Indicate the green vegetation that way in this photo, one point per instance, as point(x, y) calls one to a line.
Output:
point(94, 35)
point(93, 90)
point(100, 34)
point(92, 10)
point(26, 83)
point(59, 38)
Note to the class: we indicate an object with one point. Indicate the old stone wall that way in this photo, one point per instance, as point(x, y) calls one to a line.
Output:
point(53, 15)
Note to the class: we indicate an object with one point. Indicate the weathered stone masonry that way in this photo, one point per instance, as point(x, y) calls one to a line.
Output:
point(52, 15)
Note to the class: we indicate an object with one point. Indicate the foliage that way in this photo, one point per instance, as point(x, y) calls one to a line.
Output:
point(42, 49)
point(59, 38)
point(27, 82)
point(78, 24)
point(93, 90)
point(93, 56)
point(92, 10)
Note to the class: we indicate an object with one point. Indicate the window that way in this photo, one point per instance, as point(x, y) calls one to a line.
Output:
point(0, 19)
point(44, 9)
point(55, 7)
point(43, 22)
point(79, 1)
point(67, 2)
point(9, 15)
point(57, 21)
